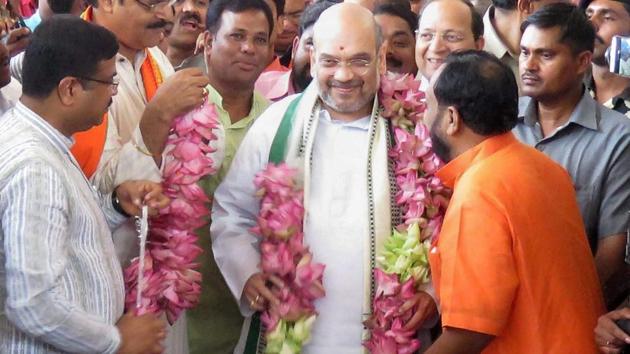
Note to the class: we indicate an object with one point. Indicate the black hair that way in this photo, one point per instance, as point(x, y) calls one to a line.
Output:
point(475, 18)
point(505, 4)
point(312, 13)
point(63, 46)
point(625, 3)
point(482, 88)
point(401, 11)
point(279, 7)
point(61, 6)
point(577, 31)
point(218, 7)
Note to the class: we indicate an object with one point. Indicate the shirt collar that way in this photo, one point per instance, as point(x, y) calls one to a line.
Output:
point(452, 171)
point(61, 141)
point(585, 112)
point(493, 42)
point(258, 105)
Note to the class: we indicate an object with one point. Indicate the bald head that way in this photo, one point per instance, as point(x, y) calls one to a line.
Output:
point(368, 4)
point(347, 59)
point(344, 23)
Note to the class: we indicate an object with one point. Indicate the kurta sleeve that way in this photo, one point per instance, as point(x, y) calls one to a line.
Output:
point(34, 209)
point(235, 206)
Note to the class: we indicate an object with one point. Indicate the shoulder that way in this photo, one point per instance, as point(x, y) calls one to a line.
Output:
point(162, 61)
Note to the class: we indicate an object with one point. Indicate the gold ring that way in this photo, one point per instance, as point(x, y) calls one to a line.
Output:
point(257, 298)
point(204, 92)
point(607, 343)
point(252, 303)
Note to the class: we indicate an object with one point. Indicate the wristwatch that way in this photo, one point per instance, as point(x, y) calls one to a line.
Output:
point(117, 206)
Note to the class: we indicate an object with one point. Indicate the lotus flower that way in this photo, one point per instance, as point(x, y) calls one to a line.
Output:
point(172, 284)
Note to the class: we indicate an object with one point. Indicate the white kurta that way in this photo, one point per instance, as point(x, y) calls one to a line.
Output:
point(336, 227)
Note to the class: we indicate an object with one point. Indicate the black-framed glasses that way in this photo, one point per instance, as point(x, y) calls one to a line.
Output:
point(113, 83)
point(153, 6)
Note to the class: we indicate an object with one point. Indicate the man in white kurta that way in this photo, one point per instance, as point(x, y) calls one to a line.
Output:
point(346, 62)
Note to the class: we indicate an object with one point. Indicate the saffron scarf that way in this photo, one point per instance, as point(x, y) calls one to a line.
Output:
point(89, 144)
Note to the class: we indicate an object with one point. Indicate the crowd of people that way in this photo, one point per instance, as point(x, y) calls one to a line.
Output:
point(531, 128)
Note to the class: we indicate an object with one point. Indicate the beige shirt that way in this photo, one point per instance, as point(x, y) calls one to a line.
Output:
point(494, 45)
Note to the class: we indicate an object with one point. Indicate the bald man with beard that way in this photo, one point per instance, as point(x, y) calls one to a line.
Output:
point(341, 107)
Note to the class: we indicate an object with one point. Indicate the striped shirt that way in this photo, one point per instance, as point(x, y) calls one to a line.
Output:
point(61, 286)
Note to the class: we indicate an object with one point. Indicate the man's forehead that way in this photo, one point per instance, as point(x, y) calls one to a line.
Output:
point(535, 37)
point(391, 24)
point(250, 21)
point(607, 5)
point(446, 15)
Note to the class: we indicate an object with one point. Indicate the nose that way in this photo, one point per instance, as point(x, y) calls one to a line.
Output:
point(343, 73)
point(248, 46)
point(529, 63)
point(188, 6)
point(437, 44)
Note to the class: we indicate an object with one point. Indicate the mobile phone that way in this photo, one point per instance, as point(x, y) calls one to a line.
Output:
point(618, 56)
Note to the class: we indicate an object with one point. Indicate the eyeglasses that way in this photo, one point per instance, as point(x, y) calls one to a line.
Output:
point(451, 37)
point(357, 66)
point(113, 83)
point(156, 5)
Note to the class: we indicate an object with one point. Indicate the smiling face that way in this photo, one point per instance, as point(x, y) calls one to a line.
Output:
point(135, 25)
point(346, 60)
point(445, 27)
point(238, 52)
point(400, 44)
point(190, 21)
point(293, 9)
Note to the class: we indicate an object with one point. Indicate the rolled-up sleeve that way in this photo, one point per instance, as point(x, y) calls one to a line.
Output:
point(34, 209)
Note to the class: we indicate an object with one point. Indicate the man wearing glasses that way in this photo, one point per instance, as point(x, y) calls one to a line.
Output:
point(137, 123)
point(446, 26)
point(290, 18)
point(337, 111)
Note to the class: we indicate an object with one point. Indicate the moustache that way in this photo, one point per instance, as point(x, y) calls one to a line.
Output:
point(530, 75)
point(186, 16)
point(345, 84)
point(393, 62)
point(158, 24)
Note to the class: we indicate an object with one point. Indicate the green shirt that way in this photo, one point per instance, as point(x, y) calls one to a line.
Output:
point(214, 325)
point(234, 133)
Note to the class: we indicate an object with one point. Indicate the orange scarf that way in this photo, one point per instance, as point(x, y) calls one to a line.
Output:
point(89, 144)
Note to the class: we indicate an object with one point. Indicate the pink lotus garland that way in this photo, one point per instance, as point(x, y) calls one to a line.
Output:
point(403, 265)
point(171, 282)
point(284, 255)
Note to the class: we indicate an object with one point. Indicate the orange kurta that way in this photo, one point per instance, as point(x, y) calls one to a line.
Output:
point(512, 259)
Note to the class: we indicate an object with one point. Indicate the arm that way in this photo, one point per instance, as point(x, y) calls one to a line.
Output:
point(235, 207)
point(459, 341)
point(34, 212)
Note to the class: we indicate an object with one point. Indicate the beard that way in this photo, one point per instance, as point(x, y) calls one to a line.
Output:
point(440, 146)
point(301, 78)
point(346, 107)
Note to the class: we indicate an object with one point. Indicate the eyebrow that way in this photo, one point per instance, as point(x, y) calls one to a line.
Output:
point(362, 55)
point(401, 33)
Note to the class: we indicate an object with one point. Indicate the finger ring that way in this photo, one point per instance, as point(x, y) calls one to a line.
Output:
point(607, 343)
point(257, 298)
point(204, 92)
point(252, 303)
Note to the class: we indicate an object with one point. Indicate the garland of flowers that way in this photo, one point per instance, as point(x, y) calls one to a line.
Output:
point(403, 264)
point(171, 282)
point(284, 255)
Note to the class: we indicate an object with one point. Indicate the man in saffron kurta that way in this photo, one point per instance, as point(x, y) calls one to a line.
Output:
point(512, 265)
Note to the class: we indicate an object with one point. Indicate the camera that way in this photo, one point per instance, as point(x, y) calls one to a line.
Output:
point(618, 56)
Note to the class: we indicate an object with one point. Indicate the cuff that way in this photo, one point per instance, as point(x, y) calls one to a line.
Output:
point(115, 341)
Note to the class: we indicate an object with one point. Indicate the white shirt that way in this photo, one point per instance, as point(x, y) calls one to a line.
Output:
point(61, 286)
point(9, 95)
point(335, 230)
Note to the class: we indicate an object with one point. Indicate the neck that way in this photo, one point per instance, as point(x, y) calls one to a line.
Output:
point(237, 101)
point(553, 113)
point(48, 111)
point(176, 55)
point(123, 49)
point(607, 84)
point(504, 23)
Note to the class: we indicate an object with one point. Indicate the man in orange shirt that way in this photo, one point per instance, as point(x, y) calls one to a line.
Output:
point(512, 266)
